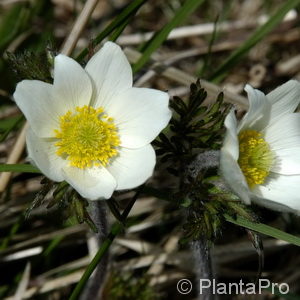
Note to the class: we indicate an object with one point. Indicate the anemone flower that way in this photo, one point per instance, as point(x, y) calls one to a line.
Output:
point(260, 157)
point(90, 127)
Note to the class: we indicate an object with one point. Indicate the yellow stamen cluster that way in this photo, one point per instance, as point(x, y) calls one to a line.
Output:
point(87, 137)
point(255, 158)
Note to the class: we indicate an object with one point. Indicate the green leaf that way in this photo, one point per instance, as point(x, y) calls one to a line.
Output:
point(129, 11)
point(264, 229)
point(26, 168)
point(257, 36)
point(159, 37)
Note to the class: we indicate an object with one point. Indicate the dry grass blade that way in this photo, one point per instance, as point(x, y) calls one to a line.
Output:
point(51, 285)
point(186, 79)
point(201, 29)
point(13, 157)
point(22, 286)
point(78, 27)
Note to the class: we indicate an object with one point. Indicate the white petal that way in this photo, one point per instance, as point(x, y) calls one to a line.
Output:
point(43, 103)
point(72, 84)
point(284, 99)
point(272, 205)
point(42, 153)
point(282, 189)
point(35, 99)
point(229, 155)
point(140, 114)
point(287, 162)
point(284, 140)
point(285, 133)
point(258, 114)
point(231, 143)
point(110, 72)
point(234, 177)
point(92, 183)
point(133, 167)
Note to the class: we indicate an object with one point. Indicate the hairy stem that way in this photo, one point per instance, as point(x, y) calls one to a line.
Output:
point(95, 284)
point(114, 231)
point(204, 269)
point(201, 247)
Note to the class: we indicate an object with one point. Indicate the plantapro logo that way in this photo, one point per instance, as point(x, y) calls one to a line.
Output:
point(185, 286)
point(241, 288)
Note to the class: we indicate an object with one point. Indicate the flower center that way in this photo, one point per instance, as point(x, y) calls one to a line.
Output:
point(87, 137)
point(255, 158)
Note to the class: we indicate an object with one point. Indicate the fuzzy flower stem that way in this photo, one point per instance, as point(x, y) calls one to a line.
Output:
point(203, 161)
point(204, 268)
point(115, 230)
point(95, 283)
point(201, 247)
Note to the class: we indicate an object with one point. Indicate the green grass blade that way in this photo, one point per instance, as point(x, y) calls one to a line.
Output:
point(26, 168)
point(264, 229)
point(11, 126)
point(257, 36)
point(11, 24)
point(208, 56)
point(14, 229)
point(118, 31)
point(53, 245)
point(8, 123)
point(159, 37)
point(115, 230)
point(129, 11)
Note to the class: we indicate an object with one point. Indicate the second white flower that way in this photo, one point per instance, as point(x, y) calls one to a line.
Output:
point(260, 157)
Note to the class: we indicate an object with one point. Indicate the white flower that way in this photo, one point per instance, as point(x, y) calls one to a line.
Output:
point(260, 157)
point(90, 127)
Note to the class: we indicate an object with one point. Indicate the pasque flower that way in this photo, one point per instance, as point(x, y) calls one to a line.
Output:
point(260, 157)
point(90, 127)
